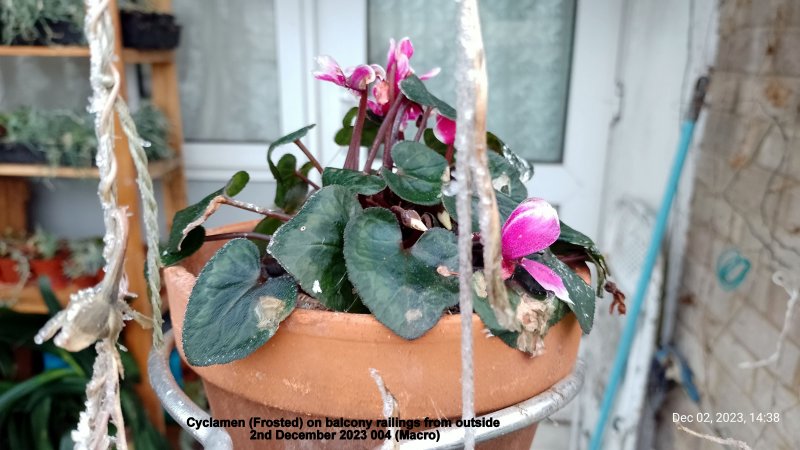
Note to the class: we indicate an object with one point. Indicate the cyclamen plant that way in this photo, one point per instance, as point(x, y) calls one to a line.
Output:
point(380, 241)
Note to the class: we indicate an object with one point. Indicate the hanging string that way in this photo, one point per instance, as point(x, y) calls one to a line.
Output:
point(472, 167)
point(96, 315)
point(791, 287)
point(149, 216)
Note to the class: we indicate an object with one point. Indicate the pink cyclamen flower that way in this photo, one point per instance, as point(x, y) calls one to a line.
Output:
point(445, 130)
point(531, 228)
point(397, 60)
point(354, 78)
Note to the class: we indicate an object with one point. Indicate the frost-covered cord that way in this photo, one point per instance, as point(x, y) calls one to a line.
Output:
point(149, 215)
point(793, 290)
point(728, 442)
point(471, 167)
point(105, 81)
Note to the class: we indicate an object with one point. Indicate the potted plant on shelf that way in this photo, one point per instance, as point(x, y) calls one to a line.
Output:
point(14, 267)
point(46, 256)
point(84, 265)
point(66, 138)
point(41, 410)
point(286, 316)
point(147, 29)
point(35, 22)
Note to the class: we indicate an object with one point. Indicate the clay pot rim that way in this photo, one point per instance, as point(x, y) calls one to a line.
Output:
point(299, 317)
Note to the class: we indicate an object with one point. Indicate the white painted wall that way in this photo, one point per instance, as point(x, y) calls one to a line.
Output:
point(664, 46)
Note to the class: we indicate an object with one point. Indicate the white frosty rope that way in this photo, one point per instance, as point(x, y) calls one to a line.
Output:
point(105, 80)
point(472, 167)
point(728, 442)
point(792, 289)
point(102, 403)
point(389, 409)
point(149, 215)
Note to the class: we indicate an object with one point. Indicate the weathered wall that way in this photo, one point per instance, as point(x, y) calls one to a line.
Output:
point(745, 211)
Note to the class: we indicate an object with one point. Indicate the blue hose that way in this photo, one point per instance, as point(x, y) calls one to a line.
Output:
point(625, 343)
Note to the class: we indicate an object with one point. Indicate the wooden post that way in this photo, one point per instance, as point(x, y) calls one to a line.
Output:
point(165, 97)
point(137, 339)
point(14, 195)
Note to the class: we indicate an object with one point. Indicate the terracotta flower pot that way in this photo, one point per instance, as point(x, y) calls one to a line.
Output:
point(318, 365)
point(52, 268)
point(85, 281)
point(8, 271)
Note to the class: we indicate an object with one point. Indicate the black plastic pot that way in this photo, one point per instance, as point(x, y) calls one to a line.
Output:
point(64, 33)
point(20, 154)
point(149, 31)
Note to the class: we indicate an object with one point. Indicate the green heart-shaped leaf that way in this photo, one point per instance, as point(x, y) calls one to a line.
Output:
point(309, 247)
point(290, 189)
point(484, 310)
point(571, 240)
point(288, 139)
point(509, 191)
point(195, 215)
point(355, 180)
point(505, 206)
point(506, 178)
point(191, 243)
point(231, 313)
point(522, 166)
point(403, 288)
point(433, 143)
point(414, 89)
point(581, 294)
point(371, 125)
point(268, 226)
point(419, 173)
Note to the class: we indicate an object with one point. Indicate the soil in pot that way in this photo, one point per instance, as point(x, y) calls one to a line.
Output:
point(52, 268)
point(149, 31)
point(318, 365)
point(20, 154)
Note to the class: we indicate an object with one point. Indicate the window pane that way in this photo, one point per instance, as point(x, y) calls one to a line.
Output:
point(528, 49)
point(228, 70)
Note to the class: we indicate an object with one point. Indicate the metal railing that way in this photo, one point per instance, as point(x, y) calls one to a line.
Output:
point(511, 419)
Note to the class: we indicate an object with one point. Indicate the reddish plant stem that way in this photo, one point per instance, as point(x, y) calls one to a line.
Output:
point(390, 77)
point(298, 174)
point(351, 162)
point(391, 138)
point(256, 209)
point(236, 235)
point(379, 136)
point(308, 154)
point(449, 155)
point(423, 123)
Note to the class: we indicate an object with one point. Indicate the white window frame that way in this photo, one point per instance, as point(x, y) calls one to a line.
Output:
point(307, 28)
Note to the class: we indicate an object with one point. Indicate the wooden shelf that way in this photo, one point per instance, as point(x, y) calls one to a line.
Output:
point(29, 300)
point(49, 51)
point(134, 56)
point(129, 55)
point(157, 170)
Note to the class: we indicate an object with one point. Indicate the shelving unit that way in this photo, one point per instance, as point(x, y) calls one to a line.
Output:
point(164, 84)
point(28, 300)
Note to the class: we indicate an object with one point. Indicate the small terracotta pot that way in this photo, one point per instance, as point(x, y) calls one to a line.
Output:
point(318, 365)
point(85, 281)
point(8, 271)
point(52, 268)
